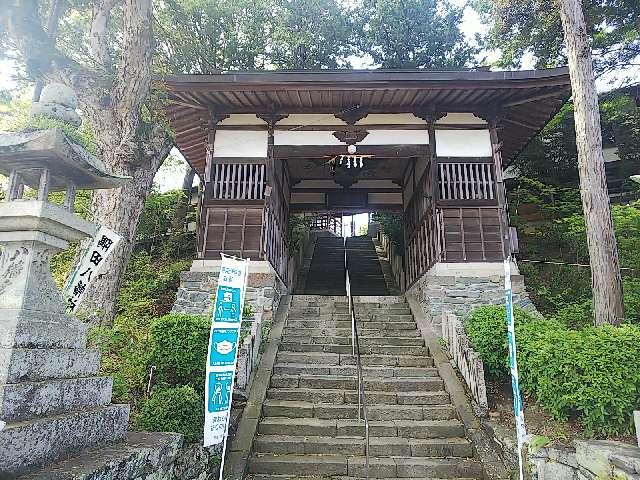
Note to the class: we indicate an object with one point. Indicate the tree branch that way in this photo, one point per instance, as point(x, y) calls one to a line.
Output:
point(98, 42)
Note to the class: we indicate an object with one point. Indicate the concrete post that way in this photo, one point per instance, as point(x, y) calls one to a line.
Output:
point(636, 418)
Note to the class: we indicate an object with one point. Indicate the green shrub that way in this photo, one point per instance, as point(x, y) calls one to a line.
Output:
point(592, 375)
point(632, 300)
point(179, 346)
point(575, 316)
point(487, 330)
point(175, 409)
point(576, 371)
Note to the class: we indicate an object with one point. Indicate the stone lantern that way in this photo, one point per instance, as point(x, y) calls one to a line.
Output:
point(52, 403)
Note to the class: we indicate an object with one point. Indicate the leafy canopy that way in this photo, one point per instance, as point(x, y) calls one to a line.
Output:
point(413, 33)
point(519, 27)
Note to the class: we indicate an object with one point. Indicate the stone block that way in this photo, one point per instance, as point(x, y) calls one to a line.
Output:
point(139, 454)
point(25, 445)
point(33, 329)
point(22, 364)
point(28, 400)
point(597, 457)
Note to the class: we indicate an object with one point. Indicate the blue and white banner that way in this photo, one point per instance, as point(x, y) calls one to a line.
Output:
point(521, 431)
point(223, 348)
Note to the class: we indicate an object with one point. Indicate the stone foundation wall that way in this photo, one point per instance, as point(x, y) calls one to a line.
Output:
point(264, 290)
point(196, 290)
point(461, 294)
point(582, 460)
point(586, 460)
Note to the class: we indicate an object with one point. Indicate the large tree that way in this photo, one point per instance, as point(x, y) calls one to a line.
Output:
point(103, 51)
point(519, 27)
point(601, 240)
point(413, 33)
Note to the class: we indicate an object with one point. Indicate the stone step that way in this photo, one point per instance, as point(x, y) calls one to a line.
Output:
point(368, 316)
point(345, 332)
point(355, 428)
point(50, 439)
point(37, 364)
point(298, 346)
point(338, 396)
point(259, 476)
point(133, 459)
point(328, 359)
point(402, 467)
point(385, 341)
point(330, 323)
point(351, 370)
point(291, 409)
point(371, 384)
point(24, 401)
point(378, 446)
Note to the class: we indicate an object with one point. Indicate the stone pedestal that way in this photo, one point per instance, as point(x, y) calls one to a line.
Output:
point(52, 402)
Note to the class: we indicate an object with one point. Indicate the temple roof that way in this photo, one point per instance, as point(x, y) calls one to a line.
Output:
point(525, 99)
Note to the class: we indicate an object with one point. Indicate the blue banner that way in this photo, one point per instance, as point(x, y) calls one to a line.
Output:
point(223, 348)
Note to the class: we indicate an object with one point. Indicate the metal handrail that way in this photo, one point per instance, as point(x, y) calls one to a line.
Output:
point(355, 347)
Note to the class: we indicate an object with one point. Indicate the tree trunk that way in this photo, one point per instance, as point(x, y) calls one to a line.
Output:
point(601, 240)
point(119, 209)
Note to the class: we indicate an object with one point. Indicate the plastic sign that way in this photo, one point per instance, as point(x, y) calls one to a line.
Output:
point(521, 431)
point(90, 268)
point(223, 348)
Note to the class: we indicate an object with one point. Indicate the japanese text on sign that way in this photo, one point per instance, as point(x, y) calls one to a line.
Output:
point(90, 267)
point(223, 348)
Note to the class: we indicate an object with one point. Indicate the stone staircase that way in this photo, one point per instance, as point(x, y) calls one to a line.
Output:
point(326, 271)
point(310, 426)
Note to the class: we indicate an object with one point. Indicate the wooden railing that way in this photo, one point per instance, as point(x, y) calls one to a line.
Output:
point(466, 181)
point(423, 246)
point(395, 259)
point(238, 181)
point(275, 246)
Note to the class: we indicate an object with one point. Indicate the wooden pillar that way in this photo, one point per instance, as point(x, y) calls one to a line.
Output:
point(501, 191)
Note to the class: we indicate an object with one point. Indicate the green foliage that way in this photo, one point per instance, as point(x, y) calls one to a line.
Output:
point(253, 34)
point(178, 344)
point(391, 225)
point(584, 373)
point(522, 26)
point(591, 375)
point(148, 285)
point(154, 233)
point(174, 409)
point(487, 330)
point(297, 232)
point(553, 287)
point(413, 34)
point(575, 316)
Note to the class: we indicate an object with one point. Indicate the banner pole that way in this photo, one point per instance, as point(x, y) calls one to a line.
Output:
point(521, 431)
point(233, 378)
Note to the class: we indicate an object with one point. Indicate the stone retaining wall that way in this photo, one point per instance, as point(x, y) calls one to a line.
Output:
point(582, 460)
point(195, 296)
point(460, 294)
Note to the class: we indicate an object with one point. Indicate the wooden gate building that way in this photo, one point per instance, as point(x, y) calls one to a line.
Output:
point(429, 144)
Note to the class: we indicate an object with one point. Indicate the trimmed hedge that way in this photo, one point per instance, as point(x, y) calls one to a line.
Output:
point(591, 375)
point(179, 344)
point(174, 409)
point(487, 329)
